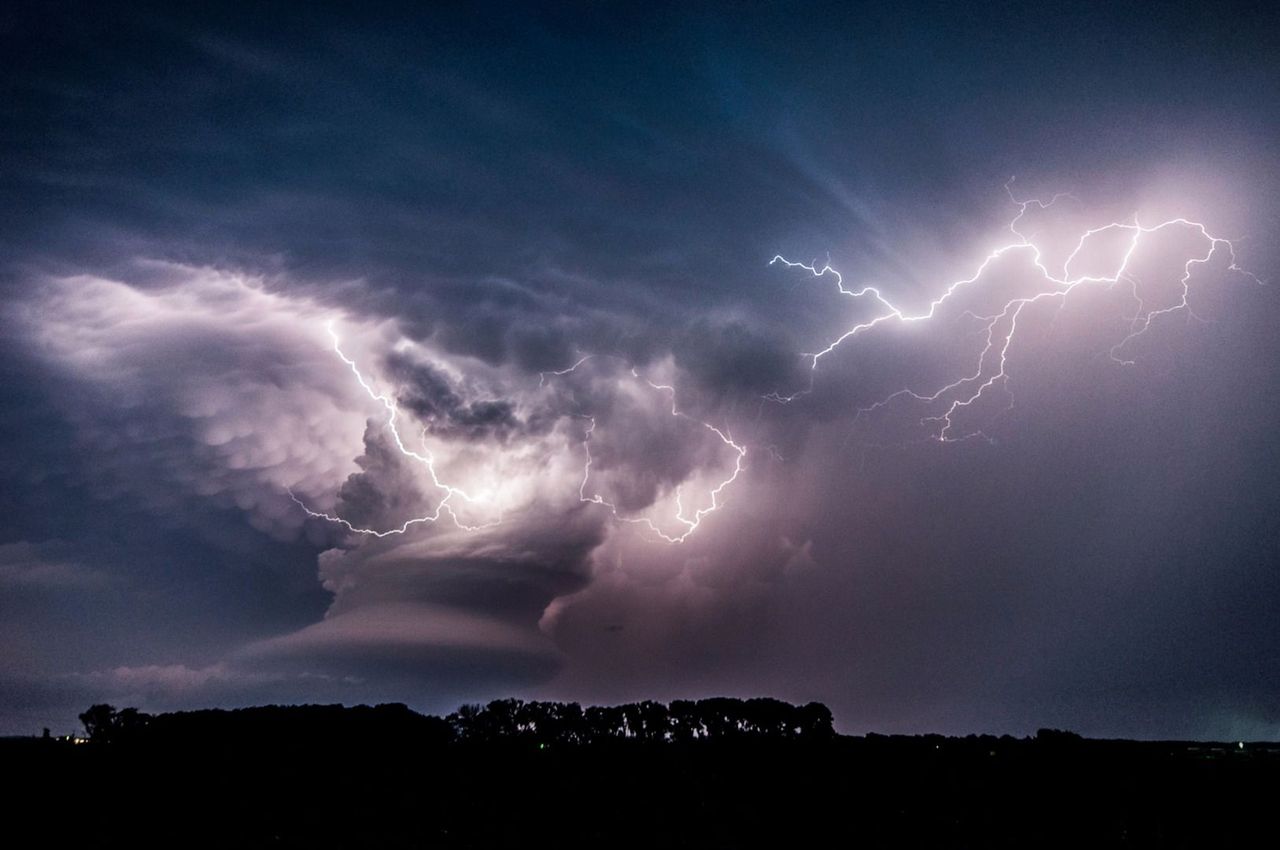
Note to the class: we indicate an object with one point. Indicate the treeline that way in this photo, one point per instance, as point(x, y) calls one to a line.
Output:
point(708, 773)
point(268, 727)
point(719, 718)
point(513, 721)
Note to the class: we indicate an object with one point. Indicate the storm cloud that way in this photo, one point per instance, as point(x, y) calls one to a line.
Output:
point(358, 357)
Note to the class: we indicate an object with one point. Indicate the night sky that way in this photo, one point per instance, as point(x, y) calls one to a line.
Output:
point(1047, 499)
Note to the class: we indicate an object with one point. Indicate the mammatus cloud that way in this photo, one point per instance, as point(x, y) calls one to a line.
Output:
point(196, 386)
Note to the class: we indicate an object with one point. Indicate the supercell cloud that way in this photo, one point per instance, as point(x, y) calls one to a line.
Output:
point(441, 357)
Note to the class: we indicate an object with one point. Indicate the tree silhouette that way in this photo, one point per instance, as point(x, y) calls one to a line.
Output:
point(502, 721)
point(99, 722)
point(685, 721)
point(104, 725)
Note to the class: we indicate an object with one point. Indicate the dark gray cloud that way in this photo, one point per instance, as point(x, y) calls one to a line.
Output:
point(429, 395)
point(478, 198)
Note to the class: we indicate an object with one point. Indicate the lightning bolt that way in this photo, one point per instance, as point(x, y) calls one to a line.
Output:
point(1002, 327)
point(690, 523)
point(542, 376)
point(443, 507)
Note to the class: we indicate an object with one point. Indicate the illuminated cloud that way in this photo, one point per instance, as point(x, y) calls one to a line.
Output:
point(473, 205)
point(458, 498)
point(995, 298)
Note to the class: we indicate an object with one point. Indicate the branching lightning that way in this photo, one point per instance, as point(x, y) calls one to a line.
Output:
point(444, 507)
point(990, 374)
point(1001, 327)
point(425, 458)
point(690, 523)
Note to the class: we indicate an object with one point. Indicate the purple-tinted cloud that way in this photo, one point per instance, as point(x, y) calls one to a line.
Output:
point(292, 307)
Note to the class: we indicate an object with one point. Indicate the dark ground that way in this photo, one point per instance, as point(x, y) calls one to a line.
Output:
point(397, 785)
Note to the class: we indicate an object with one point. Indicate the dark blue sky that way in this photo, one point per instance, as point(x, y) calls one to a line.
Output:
point(474, 196)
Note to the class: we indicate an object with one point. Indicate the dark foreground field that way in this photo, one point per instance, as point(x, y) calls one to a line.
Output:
point(390, 780)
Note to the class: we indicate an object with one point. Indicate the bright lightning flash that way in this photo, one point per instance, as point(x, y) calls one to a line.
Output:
point(425, 458)
point(1002, 326)
point(999, 327)
point(689, 523)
